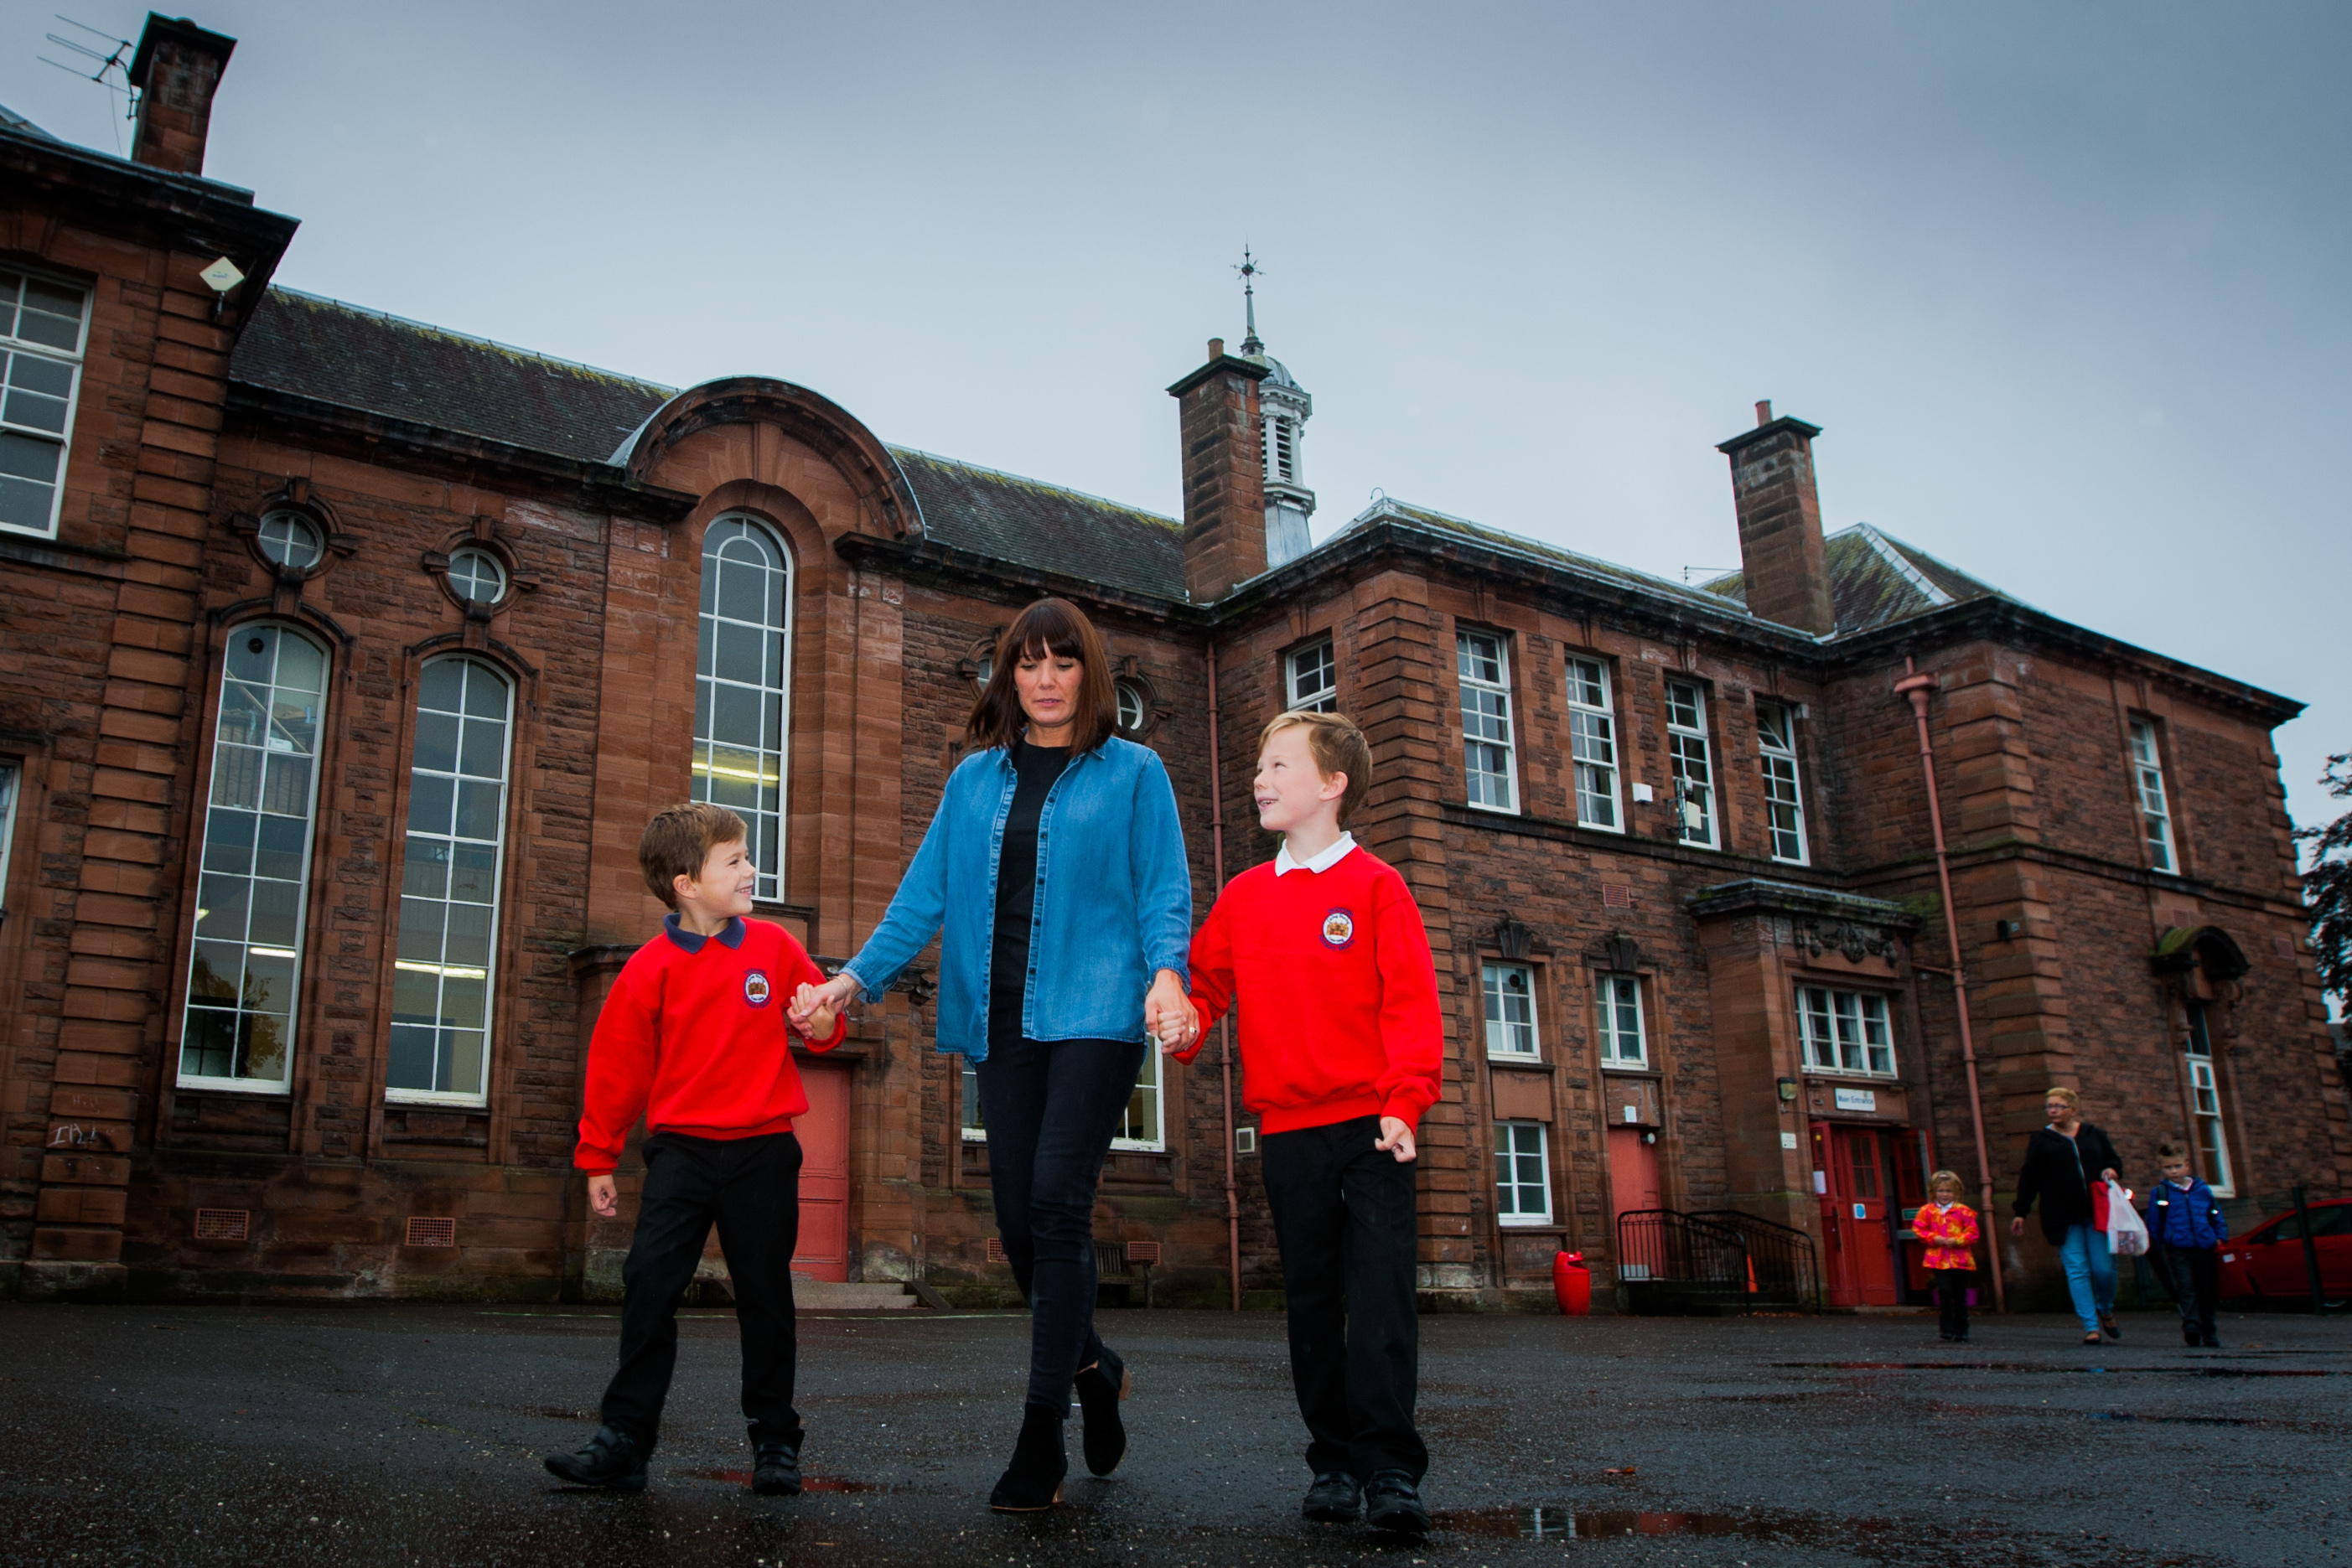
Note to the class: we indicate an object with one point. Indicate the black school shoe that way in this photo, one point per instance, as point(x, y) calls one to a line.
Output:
point(775, 1470)
point(1032, 1483)
point(1336, 1498)
point(1395, 1504)
point(1100, 1388)
point(610, 1460)
point(2212, 1341)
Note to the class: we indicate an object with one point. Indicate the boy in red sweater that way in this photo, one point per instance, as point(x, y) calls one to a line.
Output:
point(1324, 951)
point(693, 1037)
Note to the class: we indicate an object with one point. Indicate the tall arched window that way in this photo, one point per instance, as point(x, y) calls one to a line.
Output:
point(742, 704)
point(443, 969)
point(246, 965)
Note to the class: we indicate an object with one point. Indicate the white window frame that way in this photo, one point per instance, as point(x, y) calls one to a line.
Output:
point(2207, 1126)
point(1281, 449)
point(1596, 771)
point(1784, 795)
point(1324, 695)
point(1512, 1159)
point(1147, 1107)
point(471, 567)
point(771, 763)
point(226, 756)
point(1127, 694)
point(279, 532)
point(437, 965)
point(11, 345)
point(1690, 758)
point(1487, 702)
point(1614, 998)
point(1509, 1038)
point(12, 790)
point(968, 1112)
point(2155, 810)
point(1830, 1032)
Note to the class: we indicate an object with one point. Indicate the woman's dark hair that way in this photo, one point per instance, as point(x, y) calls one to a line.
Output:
point(1049, 626)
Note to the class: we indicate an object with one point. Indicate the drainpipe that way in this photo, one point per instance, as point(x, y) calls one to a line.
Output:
point(1225, 1024)
point(1916, 687)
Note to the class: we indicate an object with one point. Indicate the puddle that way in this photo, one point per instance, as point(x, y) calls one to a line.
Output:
point(1548, 1522)
point(808, 1483)
point(2062, 1371)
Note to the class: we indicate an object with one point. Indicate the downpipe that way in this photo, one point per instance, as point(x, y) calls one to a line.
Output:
point(1916, 686)
point(1225, 1024)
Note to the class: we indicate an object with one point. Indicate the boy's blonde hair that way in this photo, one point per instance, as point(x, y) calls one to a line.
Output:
point(1937, 1180)
point(1337, 746)
point(677, 841)
point(2059, 1092)
point(2171, 1149)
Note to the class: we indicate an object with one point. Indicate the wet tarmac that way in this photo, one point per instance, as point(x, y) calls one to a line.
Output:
point(391, 1435)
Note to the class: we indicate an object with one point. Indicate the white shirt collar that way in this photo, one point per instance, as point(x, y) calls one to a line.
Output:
point(1336, 851)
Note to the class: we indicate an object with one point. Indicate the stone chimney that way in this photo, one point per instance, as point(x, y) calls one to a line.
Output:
point(1224, 474)
point(1782, 564)
point(176, 70)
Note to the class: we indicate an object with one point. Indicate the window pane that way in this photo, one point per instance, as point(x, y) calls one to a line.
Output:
point(1489, 763)
point(1592, 745)
point(245, 963)
point(1783, 802)
point(1688, 757)
point(1510, 1002)
point(742, 706)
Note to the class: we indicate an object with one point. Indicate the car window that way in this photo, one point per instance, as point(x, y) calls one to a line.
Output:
point(2273, 1231)
point(2335, 1219)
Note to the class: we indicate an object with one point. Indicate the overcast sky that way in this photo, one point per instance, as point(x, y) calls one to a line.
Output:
point(2066, 285)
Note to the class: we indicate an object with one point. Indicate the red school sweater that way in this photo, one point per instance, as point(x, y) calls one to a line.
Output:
point(693, 1037)
point(1337, 990)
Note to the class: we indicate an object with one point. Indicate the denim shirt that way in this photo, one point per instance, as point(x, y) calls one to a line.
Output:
point(1114, 899)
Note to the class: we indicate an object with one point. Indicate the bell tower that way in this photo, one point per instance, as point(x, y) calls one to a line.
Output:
point(1284, 408)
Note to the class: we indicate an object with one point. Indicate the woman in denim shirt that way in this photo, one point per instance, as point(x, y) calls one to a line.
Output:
point(1053, 873)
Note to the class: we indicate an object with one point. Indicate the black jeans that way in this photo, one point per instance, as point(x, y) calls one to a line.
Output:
point(1952, 1287)
point(751, 1188)
point(2196, 1274)
point(1052, 1108)
point(1344, 1216)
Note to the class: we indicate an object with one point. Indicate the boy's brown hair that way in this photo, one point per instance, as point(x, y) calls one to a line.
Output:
point(1337, 746)
point(2171, 1149)
point(677, 841)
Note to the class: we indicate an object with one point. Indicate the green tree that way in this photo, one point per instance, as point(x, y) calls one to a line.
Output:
point(2328, 885)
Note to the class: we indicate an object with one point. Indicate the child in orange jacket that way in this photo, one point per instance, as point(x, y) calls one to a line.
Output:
point(1948, 1227)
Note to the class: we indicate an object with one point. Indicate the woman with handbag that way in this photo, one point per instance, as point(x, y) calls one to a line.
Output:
point(1053, 873)
point(2068, 1164)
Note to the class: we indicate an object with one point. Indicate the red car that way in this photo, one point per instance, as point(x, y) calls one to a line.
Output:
point(2266, 1264)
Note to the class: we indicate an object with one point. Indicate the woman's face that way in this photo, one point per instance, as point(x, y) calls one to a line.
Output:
point(1049, 689)
point(2059, 1112)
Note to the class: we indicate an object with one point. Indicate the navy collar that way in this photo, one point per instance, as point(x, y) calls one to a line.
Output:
point(730, 935)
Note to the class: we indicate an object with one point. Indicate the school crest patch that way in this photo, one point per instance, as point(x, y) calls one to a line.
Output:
point(1338, 928)
point(756, 989)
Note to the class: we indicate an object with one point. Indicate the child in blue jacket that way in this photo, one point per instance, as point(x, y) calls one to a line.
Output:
point(2186, 1225)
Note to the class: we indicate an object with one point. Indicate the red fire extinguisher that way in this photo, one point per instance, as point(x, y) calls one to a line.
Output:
point(1571, 1281)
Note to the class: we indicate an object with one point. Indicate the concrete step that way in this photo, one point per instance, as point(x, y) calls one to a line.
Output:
point(831, 1296)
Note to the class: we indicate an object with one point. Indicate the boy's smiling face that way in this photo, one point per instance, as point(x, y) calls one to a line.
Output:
point(724, 888)
point(1290, 789)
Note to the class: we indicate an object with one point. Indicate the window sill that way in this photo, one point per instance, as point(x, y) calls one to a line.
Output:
point(1491, 810)
point(1630, 1069)
point(437, 1102)
point(235, 1086)
point(1521, 1063)
point(1526, 1222)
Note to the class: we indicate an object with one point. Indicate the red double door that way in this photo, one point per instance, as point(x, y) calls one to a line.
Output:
point(1867, 1176)
point(824, 1250)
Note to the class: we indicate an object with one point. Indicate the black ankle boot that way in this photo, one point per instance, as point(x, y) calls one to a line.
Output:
point(1032, 1481)
point(1100, 1388)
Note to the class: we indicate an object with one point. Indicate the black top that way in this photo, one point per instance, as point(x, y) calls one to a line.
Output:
point(2059, 1171)
point(1016, 887)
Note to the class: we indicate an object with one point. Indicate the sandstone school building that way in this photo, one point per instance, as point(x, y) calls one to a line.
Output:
point(344, 657)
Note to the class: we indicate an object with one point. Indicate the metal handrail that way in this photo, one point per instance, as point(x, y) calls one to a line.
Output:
point(1720, 1258)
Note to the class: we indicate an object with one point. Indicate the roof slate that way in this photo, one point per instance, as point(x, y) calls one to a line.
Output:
point(1027, 523)
point(1875, 579)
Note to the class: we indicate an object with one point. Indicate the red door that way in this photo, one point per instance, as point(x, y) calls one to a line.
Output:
point(1632, 1171)
point(1856, 1218)
point(823, 1250)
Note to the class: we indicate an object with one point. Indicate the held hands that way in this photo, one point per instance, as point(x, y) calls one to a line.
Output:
point(814, 1008)
point(1396, 1137)
point(603, 1195)
point(1169, 1015)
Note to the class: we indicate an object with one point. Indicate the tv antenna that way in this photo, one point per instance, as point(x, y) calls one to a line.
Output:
point(1251, 269)
point(113, 61)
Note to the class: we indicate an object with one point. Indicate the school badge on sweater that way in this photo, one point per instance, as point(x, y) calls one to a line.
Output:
point(756, 989)
point(1338, 928)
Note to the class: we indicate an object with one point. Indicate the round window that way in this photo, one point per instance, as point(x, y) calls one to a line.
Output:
point(986, 663)
point(476, 574)
point(291, 540)
point(1131, 708)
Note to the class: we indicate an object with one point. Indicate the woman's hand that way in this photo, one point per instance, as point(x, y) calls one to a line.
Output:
point(2108, 1174)
point(828, 998)
point(1168, 1012)
point(2017, 1225)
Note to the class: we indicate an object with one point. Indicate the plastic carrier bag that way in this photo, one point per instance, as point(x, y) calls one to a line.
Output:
point(2126, 1232)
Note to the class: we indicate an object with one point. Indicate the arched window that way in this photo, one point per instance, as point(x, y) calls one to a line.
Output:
point(742, 706)
point(245, 966)
point(443, 970)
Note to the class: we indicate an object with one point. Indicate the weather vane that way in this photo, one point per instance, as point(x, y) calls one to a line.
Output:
point(1250, 270)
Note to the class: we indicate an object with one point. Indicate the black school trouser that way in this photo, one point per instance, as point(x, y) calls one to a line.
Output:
point(2196, 1280)
point(751, 1187)
point(1053, 1106)
point(1344, 1218)
point(1952, 1287)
